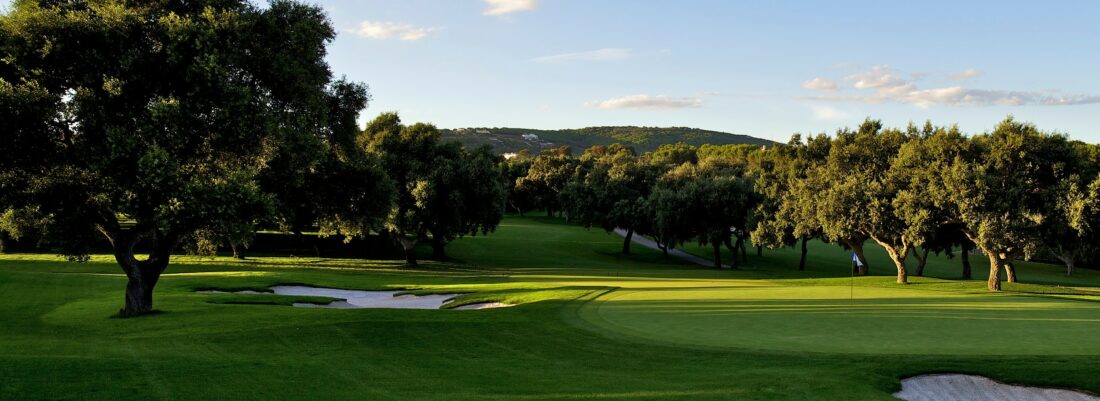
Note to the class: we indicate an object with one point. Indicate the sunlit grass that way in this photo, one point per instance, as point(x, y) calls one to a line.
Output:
point(591, 324)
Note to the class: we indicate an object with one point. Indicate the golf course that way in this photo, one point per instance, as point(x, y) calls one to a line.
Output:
point(548, 200)
point(589, 323)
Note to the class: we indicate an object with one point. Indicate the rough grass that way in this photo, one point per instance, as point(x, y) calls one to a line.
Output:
point(60, 342)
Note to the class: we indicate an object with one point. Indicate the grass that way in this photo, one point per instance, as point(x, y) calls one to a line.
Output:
point(592, 324)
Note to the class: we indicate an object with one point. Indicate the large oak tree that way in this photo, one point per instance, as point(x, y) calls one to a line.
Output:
point(142, 122)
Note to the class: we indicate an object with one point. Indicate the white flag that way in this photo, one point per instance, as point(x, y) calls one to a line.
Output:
point(855, 258)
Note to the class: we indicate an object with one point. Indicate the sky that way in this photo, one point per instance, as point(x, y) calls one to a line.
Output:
point(766, 69)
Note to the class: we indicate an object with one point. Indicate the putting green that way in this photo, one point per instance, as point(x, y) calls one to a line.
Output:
point(876, 321)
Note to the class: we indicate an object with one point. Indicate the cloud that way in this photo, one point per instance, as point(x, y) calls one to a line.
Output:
point(829, 113)
point(882, 84)
point(877, 77)
point(389, 30)
point(820, 84)
point(504, 7)
point(606, 54)
point(969, 73)
point(647, 102)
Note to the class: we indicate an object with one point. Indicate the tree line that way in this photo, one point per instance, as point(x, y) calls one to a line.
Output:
point(156, 124)
point(1012, 193)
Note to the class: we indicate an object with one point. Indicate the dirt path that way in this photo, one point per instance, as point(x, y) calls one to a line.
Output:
point(648, 243)
point(978, 388)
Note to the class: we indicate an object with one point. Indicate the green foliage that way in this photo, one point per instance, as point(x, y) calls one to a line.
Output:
point(610, 191)
point(642, 139)
point(1002, 195)
point(151, 121)
point(546, 178)
point(441, 189)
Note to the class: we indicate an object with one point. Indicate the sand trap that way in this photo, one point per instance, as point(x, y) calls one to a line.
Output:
point(948, 387)
point(483, 305)
point(353, 299)
point(229, 292)
point(356, 299)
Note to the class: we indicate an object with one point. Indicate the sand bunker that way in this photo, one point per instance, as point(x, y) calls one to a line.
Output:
point(364, 299)
point(949, 387)
point(356, 299)
point(483, 305)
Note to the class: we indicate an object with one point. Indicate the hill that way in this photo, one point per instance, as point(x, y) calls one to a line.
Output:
point(642, 139)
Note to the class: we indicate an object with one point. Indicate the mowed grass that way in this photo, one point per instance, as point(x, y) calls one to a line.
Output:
point(592, 324)
point(835, 319)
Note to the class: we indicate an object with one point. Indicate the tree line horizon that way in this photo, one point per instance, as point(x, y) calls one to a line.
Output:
point(158, 124)
point(1010, 193)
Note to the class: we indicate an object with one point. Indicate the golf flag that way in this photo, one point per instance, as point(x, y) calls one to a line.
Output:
point(855, 259)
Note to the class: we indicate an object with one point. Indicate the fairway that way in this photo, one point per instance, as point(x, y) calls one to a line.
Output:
point(590, 323)
point(875, 321)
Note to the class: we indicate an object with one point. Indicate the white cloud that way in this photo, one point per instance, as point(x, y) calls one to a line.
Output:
point(882, 84)
point(648, 102)
point(829, 113)
point(607, 54)
point(969, 73)
point(389, 30)
point(504, 7)
point(877, 77)
point(820, 84)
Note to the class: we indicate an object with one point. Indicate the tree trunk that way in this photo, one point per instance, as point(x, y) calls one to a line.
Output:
point(409, 245)
point(717, 254)
point(897, 255)
point(733, 252)
point(1010, 271)
point(1069, 258)
point(142, 276)
point(438, 247)
point(802, 260)
point(922, 260)
point(3, 238)
point(664, 249)
point(967, 274)
point(237, 254)
point(759, 250)
point(627, 239)
point(744, 251)
point(438, 251)
point(995, 262)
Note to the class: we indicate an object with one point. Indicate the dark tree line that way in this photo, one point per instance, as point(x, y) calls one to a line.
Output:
point(1012, 193)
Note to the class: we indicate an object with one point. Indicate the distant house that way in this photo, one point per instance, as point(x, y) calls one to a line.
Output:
point(509, 155)
point(483, 131)
point(530, 137)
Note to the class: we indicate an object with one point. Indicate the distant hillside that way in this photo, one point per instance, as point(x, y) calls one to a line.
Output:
point(642, 139)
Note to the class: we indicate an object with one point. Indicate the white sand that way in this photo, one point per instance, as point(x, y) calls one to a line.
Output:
point(365, 299)
point(483, 305)
point(356, 299)
point(949, 387)
point(227, 292)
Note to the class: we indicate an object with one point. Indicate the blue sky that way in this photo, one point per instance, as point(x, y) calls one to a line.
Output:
point(767, 69)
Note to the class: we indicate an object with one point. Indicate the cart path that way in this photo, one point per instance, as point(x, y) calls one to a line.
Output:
point(648, 243)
